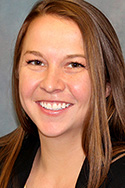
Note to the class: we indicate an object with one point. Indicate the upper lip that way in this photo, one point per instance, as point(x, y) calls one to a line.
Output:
point(54, 101)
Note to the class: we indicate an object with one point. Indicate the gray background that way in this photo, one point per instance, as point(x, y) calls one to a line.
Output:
point(12, 14)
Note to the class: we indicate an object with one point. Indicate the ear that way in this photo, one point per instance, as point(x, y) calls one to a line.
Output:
point(108, 89)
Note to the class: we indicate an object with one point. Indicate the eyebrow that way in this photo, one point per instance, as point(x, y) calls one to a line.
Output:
point(37, 53)
point(75, 55)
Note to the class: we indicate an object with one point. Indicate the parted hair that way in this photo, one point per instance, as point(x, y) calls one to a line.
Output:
point(104, 129)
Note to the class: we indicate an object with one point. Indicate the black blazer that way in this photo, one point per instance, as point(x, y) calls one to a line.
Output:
point(23, 165)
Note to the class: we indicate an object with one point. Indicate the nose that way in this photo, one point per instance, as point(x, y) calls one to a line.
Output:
point(52, 81)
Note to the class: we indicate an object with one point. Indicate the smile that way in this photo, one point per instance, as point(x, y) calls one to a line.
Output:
point(54, 106)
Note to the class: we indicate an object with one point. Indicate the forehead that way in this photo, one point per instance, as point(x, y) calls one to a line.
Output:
point(48, 27)
point(53, 20)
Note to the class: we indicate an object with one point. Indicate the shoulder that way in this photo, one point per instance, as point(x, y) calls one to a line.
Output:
point(117, 172)
point(24, 161)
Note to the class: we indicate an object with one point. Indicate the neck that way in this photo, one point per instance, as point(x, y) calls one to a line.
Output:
point(60, 153)
point(58, 161)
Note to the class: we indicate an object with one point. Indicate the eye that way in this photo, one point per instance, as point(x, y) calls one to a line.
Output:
point(35, 62)
point(75, 65)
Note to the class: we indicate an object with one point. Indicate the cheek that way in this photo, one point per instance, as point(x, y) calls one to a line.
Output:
point(27, 85)
point(81, 87)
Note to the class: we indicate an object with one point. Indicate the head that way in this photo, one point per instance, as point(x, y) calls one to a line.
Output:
point(104, 59)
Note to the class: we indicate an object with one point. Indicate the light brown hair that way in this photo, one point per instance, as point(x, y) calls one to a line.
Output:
point(106, 66)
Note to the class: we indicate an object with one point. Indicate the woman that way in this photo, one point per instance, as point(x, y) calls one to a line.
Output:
point(69, 94)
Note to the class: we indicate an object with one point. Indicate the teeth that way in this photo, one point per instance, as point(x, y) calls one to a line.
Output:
point(54, 106)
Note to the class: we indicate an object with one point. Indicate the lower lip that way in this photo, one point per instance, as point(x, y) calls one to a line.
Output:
point(53, 112)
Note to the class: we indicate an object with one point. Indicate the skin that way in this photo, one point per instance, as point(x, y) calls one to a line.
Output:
point(60, 77)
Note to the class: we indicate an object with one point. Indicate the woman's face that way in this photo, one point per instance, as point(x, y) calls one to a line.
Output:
point(54, 83)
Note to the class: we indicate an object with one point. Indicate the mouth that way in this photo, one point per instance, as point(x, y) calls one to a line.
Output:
point(55, 106)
